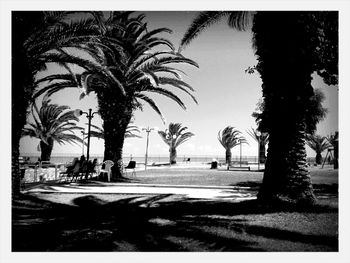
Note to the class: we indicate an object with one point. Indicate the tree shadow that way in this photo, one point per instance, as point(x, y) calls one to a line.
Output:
point(161, 222)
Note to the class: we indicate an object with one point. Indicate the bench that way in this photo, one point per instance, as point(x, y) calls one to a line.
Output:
point(239, 165)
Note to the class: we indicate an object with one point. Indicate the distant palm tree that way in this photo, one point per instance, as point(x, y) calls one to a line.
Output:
point(174, 136)
point(127, 66)
point(52, 123)
point(230, 138)
point(262, 139)
point(333, 140)
point(130, 132)
point(317, 143)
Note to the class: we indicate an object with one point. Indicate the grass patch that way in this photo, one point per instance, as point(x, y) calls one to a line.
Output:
point(163, 222)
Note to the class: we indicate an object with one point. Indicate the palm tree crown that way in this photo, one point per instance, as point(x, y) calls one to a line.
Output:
point(174, 136)
point(122, 58)
point(52, 123)
point(263, 137)
point(229, 138)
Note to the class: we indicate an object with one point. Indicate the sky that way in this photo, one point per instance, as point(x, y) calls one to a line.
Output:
point(226, 96)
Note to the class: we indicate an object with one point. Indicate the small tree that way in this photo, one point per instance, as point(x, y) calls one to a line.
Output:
point(174, 136)
point(318, 144)
point(333, 140)
point(262, 140)
point(230, 138)
point(52, 123)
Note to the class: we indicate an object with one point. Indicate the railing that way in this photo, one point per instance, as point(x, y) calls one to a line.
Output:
point(42, 172)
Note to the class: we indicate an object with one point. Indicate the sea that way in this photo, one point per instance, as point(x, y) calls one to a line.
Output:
point(67, 158)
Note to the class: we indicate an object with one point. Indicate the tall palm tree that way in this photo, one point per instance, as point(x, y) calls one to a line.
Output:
point(130, 132)
point(229, 138)
point(290, 47)
point(174, 136)
point(24, 24)
point(124, 71)
point(52, 123)
point(262, 139)
point(317, 143)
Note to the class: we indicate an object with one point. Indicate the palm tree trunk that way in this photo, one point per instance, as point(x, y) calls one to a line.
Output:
point(116, 115)
point(286, 176)
point(318, 158)
point(282, 46)
point(15, 170)
point(262, 155)
point(173, 155)
point(23, 24)
point(228, 156)
point(46, 150)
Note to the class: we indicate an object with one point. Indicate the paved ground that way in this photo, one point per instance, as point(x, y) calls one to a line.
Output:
point(203, 192)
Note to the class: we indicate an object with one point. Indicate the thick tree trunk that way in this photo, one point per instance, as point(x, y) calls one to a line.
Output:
point(46, 150)
point(15, 170)
point(282, 46)
point(286, 177)
point(116, 115)
point(23, 24)
point(114, 131)
point(228, 156)
point(173, 155)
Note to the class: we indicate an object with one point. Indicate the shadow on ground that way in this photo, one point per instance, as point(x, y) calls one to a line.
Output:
point(166, 223)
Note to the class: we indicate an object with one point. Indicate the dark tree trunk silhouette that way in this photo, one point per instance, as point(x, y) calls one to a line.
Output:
point(228, 156)
point(283, 45)
point(262, 152)
point(46, 150)
point(116, 114)
point(23, 24)
point(318, 159)
point(173, 155)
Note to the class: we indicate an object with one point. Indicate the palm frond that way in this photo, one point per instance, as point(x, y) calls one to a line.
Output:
point(239, 20)
point(152, 104)
point(230, 137)
point(199, 24)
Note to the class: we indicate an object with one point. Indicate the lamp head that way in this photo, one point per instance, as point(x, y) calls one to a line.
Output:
point(78, 112)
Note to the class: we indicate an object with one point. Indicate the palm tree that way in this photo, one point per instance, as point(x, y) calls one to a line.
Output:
point(24, 24)
point(174, 136)
point(124, 71)
point(317, 143)
point(290, 47)
point(130, 132)
point(262, 139)
point(333, 140)
point(229, 138)
point(52, 123)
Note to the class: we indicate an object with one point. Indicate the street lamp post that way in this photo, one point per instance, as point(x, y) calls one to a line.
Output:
point(148, 130)
point(83, 134)
point(89, 116)
point(258, 134)
point(240, 153)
